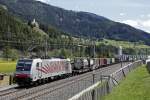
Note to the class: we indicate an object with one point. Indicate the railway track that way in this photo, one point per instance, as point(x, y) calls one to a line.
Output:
point(6, 92)
point(9, 92)
point(36, 92)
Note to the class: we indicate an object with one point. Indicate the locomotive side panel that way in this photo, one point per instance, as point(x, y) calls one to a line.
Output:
point(28, 71)
point(35, 74)
point(56, 67)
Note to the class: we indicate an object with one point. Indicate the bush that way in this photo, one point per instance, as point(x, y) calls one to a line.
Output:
point(14, 54)
point(64, 53)
point(9, 53)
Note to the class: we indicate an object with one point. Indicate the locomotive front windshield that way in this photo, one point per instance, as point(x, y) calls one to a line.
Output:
point(24, 65)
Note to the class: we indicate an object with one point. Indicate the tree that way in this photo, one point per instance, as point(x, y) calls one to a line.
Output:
point(63, 53)
point(6, 52)
point(14, 54)
point(10, 53)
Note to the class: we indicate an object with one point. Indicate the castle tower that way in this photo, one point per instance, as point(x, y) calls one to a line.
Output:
point(34, 23)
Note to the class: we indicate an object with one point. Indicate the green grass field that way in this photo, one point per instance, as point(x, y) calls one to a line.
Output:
point(136, 86)
point(7, 67)
point(124, 44)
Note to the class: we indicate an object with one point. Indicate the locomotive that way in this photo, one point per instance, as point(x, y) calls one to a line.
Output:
point(29, 71)
point(35, 71)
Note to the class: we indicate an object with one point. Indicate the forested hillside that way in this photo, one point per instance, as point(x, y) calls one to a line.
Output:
point(20, 38)
point(80, 24)
point(16, 35)
point(13, 29)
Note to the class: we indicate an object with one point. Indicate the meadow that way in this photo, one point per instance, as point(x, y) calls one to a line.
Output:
point(124, 44)
point(134, 87)
point(7, 66)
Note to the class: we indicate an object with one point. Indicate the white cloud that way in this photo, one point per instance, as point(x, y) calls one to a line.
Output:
point(142, 16)
point(131, 22)
point(146, 23)
point(122, 14)
point(148, 15)
point(40, 0)
point(141, 24)
point(45, 1)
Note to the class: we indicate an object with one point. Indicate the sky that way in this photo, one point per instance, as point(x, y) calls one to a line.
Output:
point(133, 12)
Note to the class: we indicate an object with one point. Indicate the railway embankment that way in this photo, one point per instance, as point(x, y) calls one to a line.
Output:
point(107, 84)
point(134, 87)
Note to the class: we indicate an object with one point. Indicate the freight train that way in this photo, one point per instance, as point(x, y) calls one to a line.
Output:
point(36, 71)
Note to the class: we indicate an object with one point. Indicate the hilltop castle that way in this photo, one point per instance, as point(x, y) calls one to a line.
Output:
point(34, 23)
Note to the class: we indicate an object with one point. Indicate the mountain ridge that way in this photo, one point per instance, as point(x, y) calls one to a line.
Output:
point(81, 24)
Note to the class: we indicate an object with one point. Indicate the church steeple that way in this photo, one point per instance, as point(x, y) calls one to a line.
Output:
point(34, 23)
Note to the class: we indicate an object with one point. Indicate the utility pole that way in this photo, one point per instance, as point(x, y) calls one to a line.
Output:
point(46, 48)
point(93, 45)
point(93, 79)
point(120, 54)
point(8, 37)
point(94, 51)
point(93, 73)
point(146, 53)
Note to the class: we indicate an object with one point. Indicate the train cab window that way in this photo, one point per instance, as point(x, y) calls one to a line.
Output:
point(37, 65)
point(24, 65)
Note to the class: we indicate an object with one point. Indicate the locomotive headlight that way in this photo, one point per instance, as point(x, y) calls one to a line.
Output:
point(16, 75)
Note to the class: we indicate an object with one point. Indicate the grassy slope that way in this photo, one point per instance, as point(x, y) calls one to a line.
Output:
point(7, 67)
point(135, 87)
point(124, 44)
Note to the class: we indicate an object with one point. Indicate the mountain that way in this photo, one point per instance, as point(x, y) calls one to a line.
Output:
point(13, 29)
point(81, 24)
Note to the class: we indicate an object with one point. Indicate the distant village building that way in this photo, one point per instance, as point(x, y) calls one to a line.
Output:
point(120, 51)
point(34, 23)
